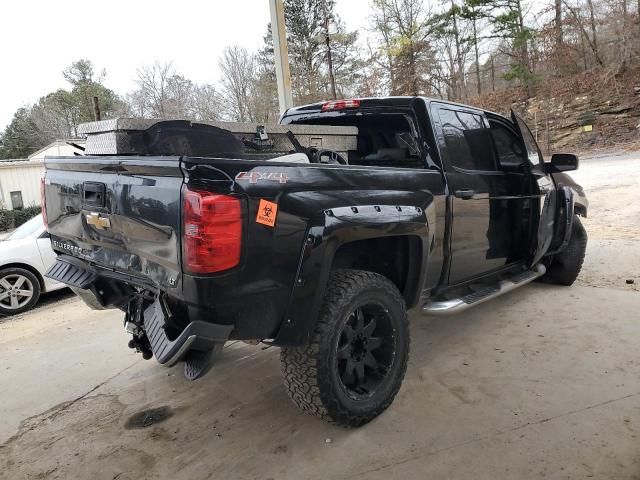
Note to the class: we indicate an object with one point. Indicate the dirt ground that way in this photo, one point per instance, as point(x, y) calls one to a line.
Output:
point(540, 383)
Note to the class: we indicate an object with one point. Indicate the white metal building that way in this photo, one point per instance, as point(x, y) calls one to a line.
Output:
point(20, 178)
point(59, 148)
point(20, 183)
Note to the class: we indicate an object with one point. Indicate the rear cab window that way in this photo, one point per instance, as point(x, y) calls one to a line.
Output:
point(384, 139)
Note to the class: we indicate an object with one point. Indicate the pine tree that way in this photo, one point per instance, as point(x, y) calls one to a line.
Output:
point(507, 20)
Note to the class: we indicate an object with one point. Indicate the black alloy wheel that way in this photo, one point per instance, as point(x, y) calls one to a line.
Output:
point(365, 351)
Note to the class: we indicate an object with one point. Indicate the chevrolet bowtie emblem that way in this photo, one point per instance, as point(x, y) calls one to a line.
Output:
point(97, 221)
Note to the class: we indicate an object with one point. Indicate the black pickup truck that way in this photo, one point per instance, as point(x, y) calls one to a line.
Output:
point(437, 205)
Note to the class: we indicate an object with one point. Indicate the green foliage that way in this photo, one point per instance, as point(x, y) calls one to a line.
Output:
point(506, 19)
point(10, 219)
point(7, 220)
point(57, 114)
point(24, 214)
point(20, 138)
point(306, 38)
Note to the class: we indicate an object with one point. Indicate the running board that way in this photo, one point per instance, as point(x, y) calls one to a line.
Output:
point(448, 307)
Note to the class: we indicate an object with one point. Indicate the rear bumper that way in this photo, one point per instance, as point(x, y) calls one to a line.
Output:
point(89, 282)
point(252, 310)
point(72, 271)
point(197, 335)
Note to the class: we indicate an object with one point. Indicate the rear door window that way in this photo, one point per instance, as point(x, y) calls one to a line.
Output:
point(468, 141)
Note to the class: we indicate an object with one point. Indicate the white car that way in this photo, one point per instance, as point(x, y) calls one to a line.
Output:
point(25, 256)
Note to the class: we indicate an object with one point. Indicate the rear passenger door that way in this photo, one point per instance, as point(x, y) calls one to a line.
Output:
point(484, 201)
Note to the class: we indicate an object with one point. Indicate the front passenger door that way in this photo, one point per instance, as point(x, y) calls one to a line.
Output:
point(544, 195)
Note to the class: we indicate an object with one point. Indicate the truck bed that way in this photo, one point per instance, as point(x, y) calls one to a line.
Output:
point(143, 202)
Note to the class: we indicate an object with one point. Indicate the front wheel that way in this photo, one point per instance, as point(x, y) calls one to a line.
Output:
point(354, 365)
point(566, 265)
point(19, 290)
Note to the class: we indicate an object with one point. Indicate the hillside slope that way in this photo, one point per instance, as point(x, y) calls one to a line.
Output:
point(582, 112)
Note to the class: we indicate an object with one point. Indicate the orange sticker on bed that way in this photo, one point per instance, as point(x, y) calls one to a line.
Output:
point(267, 213)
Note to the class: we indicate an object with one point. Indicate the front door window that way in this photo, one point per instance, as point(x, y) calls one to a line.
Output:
point(533, 152)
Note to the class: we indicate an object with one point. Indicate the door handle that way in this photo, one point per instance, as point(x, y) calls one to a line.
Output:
point(465, 194)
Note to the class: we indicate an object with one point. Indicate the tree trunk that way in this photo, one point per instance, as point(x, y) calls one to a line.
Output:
point(584, 53)
point(558, 23)
point(332, 77)
point(456, 34)
point(594, 37)
point(524, 54)
point(475, 45)
point(412, 71)
point(493, 76)
point(623, 63)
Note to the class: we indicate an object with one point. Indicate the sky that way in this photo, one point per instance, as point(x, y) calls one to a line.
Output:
point(39, 38)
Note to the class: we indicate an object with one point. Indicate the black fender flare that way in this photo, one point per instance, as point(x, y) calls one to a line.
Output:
point(565, 211)
point(325, 235)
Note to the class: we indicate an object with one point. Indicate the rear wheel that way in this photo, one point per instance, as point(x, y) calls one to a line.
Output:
point(19, 290)
point(566, 265)
point(354, 365)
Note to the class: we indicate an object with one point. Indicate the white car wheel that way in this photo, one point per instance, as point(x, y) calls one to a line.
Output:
point(19, 290)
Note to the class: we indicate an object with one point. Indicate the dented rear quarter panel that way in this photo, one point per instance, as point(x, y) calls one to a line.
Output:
point(283, 273)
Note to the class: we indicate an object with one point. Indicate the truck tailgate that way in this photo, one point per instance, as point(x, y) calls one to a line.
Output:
point(122, 213)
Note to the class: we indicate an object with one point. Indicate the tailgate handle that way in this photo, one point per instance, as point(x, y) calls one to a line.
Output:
point(93, 193)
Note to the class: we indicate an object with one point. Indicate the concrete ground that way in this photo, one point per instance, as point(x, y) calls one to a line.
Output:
point(540, 383)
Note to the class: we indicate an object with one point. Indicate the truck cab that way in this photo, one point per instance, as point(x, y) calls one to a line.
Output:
point(500, 206)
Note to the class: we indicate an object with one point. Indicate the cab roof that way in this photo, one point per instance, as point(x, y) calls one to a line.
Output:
point(374, 102)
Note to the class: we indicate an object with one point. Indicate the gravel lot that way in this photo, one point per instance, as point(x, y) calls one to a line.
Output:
point(542, 382)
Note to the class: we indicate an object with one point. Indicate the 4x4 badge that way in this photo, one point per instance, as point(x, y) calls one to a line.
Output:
point(97, 221)
point(254, 177)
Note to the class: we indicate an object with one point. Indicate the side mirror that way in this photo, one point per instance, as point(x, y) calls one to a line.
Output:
point(563, 162)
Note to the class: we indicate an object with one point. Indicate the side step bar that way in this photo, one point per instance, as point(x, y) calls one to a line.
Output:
point(448, 307)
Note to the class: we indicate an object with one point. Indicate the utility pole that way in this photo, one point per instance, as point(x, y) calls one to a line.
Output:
point(281, 54)
point(96, 109)
point(332, 78)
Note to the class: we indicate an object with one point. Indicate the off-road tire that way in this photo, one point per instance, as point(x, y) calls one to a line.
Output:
point(566, 265)
point(310, 375)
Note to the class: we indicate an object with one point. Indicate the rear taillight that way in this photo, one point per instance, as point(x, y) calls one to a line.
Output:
point(212, 231)
point(340, 105)
point(43, 204)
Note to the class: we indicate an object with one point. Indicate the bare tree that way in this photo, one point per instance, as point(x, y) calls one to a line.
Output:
point(558, 22)
point(592, 40)
point(237, 68)
point(404, 31)
point(207, 103)
point(153, 83)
